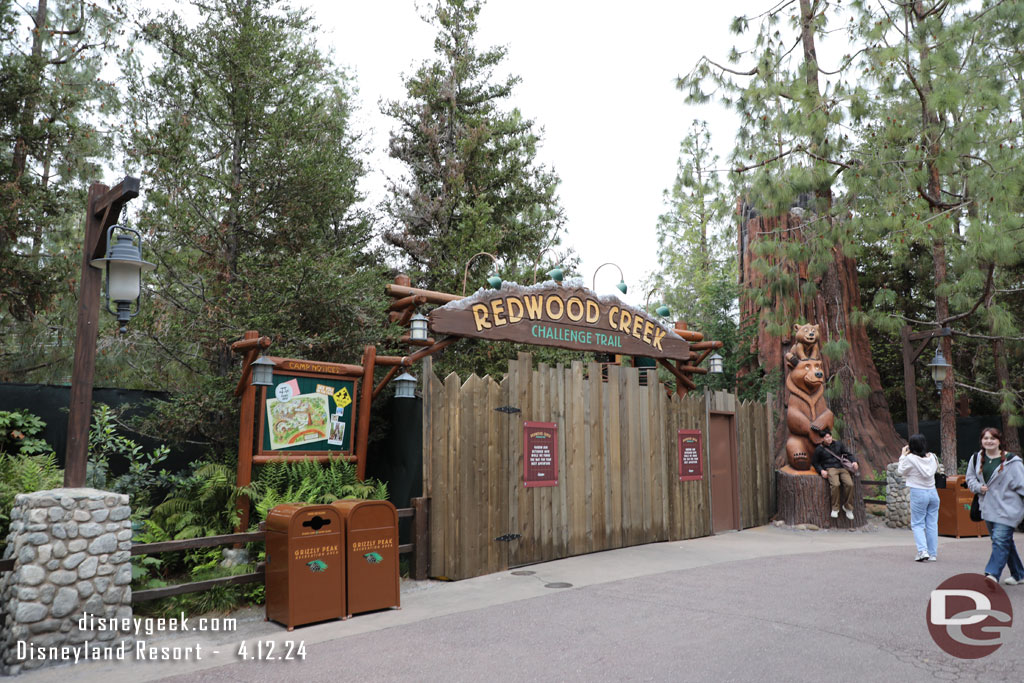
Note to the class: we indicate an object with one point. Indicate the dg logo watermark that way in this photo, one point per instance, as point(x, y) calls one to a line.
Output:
point(969, 617)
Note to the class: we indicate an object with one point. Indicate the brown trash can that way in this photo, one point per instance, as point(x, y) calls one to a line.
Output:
point(371, 528)
point(305, 571)
point(955, 510)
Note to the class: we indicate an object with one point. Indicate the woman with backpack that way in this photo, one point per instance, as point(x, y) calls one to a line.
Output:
point(918, 467)
point(998, 479)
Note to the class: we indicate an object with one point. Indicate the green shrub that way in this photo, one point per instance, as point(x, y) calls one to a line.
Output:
point(310, 482)
point(203, 503)
point(27, 463)
point(142, 481)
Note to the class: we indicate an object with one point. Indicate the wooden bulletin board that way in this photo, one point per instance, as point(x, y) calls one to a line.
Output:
point(306, 412)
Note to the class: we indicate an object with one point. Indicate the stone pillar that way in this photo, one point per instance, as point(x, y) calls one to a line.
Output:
point(897, 499)
point(71, 550)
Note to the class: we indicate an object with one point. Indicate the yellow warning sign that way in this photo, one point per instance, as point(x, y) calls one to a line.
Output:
point(342, 398)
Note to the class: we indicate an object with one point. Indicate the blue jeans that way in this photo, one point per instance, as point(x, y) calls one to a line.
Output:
point(924, 519)
point(1004, 552)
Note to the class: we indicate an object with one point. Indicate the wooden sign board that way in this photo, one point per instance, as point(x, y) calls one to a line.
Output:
point(308, 410)
point(567, 317)
point(540, 454)
point(691, 464)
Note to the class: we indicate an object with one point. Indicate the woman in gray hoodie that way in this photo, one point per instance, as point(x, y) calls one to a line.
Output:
point(998, 477)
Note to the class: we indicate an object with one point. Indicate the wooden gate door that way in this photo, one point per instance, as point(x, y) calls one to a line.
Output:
point(725, 500)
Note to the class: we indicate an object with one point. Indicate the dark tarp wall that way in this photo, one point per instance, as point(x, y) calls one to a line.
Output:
point(50, 402)
point(968, 435)
point(398, 458)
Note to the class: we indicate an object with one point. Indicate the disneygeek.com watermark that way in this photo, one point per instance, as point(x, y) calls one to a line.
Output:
point(969, 616)
point(140, 650)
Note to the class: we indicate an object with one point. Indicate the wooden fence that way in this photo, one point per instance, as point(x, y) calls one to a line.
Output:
point(419, 549)
point(618, 482)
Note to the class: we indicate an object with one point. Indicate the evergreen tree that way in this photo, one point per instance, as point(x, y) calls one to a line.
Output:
point(473, 182)
point(939, 180)
point(790, 158)
point(697, 255)
point(53, 111)
point(243, 135)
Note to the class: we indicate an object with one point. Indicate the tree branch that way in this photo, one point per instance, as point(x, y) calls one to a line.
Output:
point(985, 297)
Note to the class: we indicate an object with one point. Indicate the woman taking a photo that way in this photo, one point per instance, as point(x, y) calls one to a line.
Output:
point(998, 478)
point(918, 467)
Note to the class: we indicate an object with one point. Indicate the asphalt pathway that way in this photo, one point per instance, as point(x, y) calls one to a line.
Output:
point(765, 604)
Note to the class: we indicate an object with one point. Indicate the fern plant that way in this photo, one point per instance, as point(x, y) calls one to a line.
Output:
point(310, 482)
point(27, 463)
point(202, 504)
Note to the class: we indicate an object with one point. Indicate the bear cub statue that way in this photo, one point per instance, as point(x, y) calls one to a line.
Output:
point(805, 344)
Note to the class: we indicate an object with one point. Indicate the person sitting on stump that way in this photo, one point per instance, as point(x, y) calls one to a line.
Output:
point(834, 461)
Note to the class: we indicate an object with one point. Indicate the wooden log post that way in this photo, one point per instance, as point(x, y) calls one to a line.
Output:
point(104, 209)
point(421, 539)
point(365, 401)
point(250, 346)
point(803, 498)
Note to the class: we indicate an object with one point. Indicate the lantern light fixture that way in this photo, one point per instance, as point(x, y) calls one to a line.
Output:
point(123, 266)
point(405, 386)
point(939, 368)
point(418, 327)
point(556, 274)
point(262, 372)
point(663, 311)
point(715, 364)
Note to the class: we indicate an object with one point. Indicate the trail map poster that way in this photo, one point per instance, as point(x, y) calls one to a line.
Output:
point(299, 420)
point(540, 457)
point(308, 414)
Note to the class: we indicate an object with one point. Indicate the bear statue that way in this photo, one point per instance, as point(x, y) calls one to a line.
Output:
point(805, 344)
point(807, 414)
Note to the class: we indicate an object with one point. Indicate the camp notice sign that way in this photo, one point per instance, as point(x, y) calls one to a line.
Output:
point(690, 462)
point(307, 410)
point(540, 453)
point(567, 317)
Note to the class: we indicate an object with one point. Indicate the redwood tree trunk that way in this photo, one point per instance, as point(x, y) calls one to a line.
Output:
point(867, 424)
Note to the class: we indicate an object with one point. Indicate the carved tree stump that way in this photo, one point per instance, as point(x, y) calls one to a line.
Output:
point(804, 499)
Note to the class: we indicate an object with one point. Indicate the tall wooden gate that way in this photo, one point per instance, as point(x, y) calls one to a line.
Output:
point(618, 482)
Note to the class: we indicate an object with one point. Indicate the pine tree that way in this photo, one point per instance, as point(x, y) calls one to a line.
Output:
point(243, 134)
point(53, 111)
point(473, 183)
point(791, 154)
point(696, 254)
point(939, 181)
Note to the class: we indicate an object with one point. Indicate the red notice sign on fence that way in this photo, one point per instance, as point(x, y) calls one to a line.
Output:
point(690, 462)
point(540, 453)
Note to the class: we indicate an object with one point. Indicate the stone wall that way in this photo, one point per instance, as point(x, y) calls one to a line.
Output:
point(897, 499)
point(71, 550)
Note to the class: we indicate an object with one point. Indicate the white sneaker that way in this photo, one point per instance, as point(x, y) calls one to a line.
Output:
point(835, 514)
point(932, 558)
point(921, 556)
point(1010, 581)
point(992, 580)
point(849, 514)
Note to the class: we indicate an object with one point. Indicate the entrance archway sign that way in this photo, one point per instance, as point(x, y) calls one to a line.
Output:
point(566, 317)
